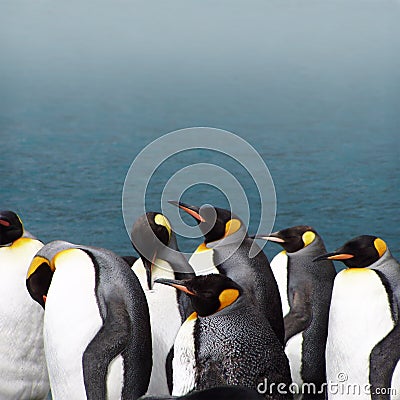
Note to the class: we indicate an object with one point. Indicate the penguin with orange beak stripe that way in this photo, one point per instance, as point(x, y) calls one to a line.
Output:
point(225, 342)
point(96, 324)
point(226, 250)
point(306, 289)
point(363, 333)
point(155, 241)
point(23, 371)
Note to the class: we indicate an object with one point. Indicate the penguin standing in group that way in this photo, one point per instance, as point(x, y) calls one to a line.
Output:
point(23, 371)
point(96, 325)
point(363, 336)
point(306, 289)
point(226, 342)
point(227, 250)
point(155, 241)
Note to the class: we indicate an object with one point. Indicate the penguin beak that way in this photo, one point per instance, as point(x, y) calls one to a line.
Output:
point(333, 256)
point(273, 237)
point(180, 285)
point(191, 210)
point(3, 222)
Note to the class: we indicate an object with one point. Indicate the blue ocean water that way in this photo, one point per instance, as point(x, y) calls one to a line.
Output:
point(314, 88)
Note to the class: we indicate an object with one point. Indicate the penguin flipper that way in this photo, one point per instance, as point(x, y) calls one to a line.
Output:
point(109, 341)
point(383, 360)
point(299, 316)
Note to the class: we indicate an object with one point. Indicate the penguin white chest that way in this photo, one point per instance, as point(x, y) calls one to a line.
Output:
point(202, 261)
point(184, 362)
point(279, 266)
point(23, 372)
point(359, 318)
point(165, 320)
point(71, 321)
point(293, 349)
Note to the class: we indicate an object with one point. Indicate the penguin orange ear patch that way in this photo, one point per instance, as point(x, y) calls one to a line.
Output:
point(160, 219)
point(308, 237)
point(227, 297)
point(380, 246)
point(232, 226)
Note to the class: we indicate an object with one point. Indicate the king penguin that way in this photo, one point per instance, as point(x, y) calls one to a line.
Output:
point(23, 371)
point(227, 249)
point(225, 342)
point(363, 334)
point(96, 326)
point(306, 289)
point(155, 241)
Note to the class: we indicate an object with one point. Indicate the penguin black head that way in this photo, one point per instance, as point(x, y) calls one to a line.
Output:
point(215, 223)
point(292, 239)
point(38, 279)
point(151, 233)
point(208, 293)
point(359, 252)
point(11, 227)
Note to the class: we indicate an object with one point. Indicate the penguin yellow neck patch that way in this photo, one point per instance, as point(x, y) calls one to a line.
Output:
point(192, 316)
point(22, 241)
point(36, 263)
point(227, 297)
point(380, 246)
point(308, 237)
point(159, 219)
point(355, 270)
point(201, 248)
point(72, 255)
point(232, 226)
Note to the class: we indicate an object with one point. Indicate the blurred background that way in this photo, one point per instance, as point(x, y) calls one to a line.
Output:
point(314, 86)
